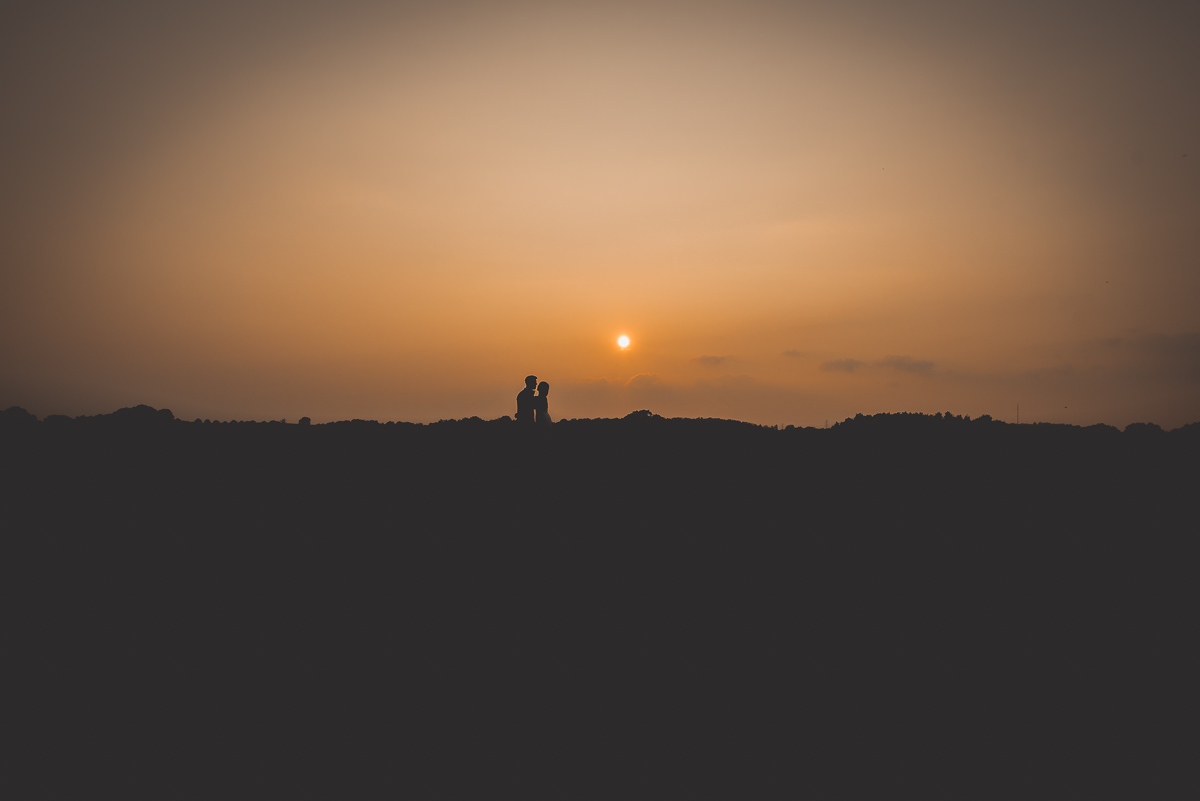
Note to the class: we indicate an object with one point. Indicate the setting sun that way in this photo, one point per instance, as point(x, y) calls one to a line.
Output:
point(623, 341)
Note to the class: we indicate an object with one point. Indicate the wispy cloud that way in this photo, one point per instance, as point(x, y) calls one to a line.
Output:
point(1180, 353)
point(842, 366)
point(735, 397)
point(711, 361)
point(643, 380)
point(906, 364)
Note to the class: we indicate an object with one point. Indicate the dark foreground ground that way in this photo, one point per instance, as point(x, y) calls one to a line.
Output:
point(899, 606)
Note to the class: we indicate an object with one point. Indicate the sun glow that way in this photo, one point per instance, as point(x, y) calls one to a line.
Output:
point(623, 341)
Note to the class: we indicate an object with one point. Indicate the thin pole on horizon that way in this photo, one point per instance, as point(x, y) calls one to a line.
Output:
point(1018, 414)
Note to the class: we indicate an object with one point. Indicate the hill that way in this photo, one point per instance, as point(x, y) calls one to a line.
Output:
point(629, 607)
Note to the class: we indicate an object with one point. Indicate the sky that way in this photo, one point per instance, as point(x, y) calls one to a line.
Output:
point(795, 211)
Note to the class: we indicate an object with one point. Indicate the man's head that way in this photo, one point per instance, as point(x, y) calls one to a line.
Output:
point(530, 381)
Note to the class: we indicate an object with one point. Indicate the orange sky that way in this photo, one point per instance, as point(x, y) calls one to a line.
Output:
point(796, 211)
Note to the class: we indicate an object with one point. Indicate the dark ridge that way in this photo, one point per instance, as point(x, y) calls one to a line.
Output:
point(901, 604)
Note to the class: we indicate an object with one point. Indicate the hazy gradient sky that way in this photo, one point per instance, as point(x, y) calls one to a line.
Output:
point(797, 211)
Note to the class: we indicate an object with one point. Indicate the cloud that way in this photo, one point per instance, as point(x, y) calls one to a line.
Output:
point(735, 397)
point(906, 364)
point(1177, 353)
point(795, 354)
point(711, 361)
point(642, 380)
point(1056, 373)
point(1149, 356)
point(842, 366)
point(1127, 377)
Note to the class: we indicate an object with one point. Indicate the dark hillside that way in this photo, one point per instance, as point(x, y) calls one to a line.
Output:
point(636, 608)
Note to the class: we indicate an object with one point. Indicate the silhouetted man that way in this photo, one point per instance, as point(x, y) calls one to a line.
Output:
point(525, 399)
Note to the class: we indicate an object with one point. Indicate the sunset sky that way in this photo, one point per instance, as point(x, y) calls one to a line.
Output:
point(796, 211)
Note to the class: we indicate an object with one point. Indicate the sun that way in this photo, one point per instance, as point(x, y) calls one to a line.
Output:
point(623, 341)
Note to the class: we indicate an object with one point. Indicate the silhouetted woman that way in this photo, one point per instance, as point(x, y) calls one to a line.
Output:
point(540, 415)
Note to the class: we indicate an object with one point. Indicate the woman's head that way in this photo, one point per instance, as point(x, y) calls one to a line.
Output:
point(543, 388)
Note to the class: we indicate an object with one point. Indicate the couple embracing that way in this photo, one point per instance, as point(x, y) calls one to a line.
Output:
point(531, 409)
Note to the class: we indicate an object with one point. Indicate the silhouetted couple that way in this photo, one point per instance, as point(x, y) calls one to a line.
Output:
point(532, 409)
